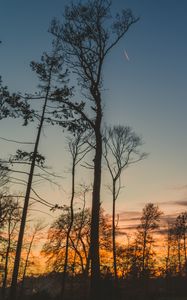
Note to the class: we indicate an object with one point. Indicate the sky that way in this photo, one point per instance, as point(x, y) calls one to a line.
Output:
point(147, 92)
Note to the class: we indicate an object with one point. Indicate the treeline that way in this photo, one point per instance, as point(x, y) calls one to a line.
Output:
point(151, 251)
point(155, 249)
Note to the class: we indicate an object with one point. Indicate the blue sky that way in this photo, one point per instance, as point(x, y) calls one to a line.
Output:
point(149, 92)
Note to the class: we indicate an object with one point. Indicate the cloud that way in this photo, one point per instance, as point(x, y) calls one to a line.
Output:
point(168, 219)
point(127, 227)
point(124, 230)
point(162, 231)
point(130, 220)
point(179, 187)
point(181, 202)
point(129, 216)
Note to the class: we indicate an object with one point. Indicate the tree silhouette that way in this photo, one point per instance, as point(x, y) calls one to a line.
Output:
point(176, 260)
point(79, 240)
point(120, 151)
point(78, 149)
point(149, 222)
point(49, 71)
point(86, 38)
point(8, 236)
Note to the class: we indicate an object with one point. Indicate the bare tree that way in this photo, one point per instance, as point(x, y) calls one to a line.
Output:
point(78, 150)
point(85, 190)
point(86, 37)
point(121, 150)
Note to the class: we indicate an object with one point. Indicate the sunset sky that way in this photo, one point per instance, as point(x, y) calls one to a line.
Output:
point(147, 92)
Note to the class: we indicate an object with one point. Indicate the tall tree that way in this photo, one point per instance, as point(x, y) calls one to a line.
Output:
point(86, 37)
point(50, 74)
point(121, 150)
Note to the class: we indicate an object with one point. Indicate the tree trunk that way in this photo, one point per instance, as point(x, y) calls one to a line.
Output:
point(94, 238)
point(13, 288)
point(79, 237)
point(87, 265)
point(179, 255)
point(184, 238)
point(26, 264)
point(6, 263)
point(64, 275)
point(114, 231)
point(144, 252)
point(168, 258)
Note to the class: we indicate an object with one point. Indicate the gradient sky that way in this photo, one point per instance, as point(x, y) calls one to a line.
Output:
point(148, 92)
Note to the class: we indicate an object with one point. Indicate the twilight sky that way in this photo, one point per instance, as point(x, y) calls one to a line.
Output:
point(148, 92)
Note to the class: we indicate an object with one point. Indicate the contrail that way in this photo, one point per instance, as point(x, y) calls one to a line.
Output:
point(126, 55)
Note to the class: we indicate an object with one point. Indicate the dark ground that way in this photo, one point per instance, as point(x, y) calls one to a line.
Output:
point(150, 289)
